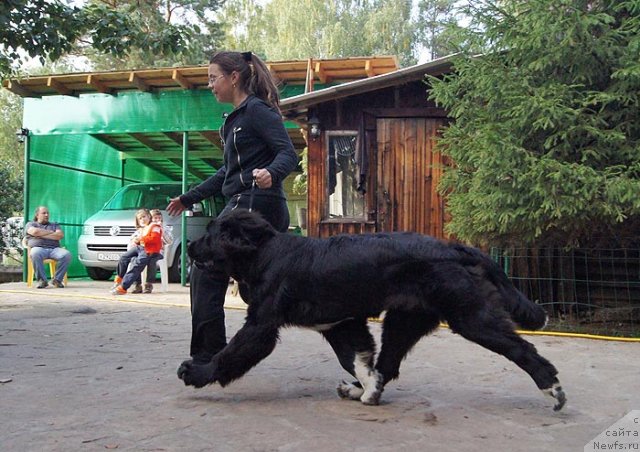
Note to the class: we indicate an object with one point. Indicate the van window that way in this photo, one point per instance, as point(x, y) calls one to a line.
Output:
point(148, 196)
point(157, 197)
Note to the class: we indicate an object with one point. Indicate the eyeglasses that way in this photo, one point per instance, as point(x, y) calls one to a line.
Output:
point(214, 78)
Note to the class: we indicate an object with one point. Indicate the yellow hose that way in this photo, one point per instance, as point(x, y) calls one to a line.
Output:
point(581, 336)
point(443, 325)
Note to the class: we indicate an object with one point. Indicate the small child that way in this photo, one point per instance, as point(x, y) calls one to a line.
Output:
point(142, 219)
point(167, 239)
point(150, 240)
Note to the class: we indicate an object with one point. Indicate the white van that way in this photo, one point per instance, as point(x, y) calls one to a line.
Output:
point(105, 235)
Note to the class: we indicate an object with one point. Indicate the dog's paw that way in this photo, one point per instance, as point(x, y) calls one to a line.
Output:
point(373, 391)
point(197, 375)
point(351, 391)
point(372, 398)
point(558, 394)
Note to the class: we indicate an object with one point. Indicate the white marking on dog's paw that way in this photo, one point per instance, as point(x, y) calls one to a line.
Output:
point(557, 394)
point(373, 389)
point(369, 378)
point(349, 391)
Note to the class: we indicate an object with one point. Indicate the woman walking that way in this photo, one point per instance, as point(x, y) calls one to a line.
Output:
point(258, 155)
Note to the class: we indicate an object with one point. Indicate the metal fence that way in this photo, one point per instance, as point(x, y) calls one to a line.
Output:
point(585, 290)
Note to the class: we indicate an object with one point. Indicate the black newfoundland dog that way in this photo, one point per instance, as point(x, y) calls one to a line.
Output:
point(334, 285)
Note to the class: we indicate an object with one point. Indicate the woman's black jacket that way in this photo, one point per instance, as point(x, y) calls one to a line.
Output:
point(254, 136)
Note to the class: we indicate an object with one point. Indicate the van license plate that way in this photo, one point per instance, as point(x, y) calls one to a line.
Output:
point(108, 256)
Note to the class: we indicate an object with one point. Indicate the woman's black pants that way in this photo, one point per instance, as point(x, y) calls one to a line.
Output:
point(207, 289)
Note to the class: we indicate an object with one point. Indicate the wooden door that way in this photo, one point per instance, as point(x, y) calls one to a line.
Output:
point(408, 172)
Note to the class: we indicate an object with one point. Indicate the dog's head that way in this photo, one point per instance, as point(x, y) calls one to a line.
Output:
point(231, 240)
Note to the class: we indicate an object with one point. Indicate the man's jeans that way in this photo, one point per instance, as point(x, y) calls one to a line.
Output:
point(62, 256)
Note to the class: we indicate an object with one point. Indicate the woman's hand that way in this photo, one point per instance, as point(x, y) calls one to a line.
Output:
point(175, 207)
point(262, 177)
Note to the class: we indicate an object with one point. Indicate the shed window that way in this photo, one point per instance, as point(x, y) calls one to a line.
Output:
point(344, 200)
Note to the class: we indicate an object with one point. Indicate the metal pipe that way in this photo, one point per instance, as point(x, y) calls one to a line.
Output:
point(185, 176)
point(25, 194)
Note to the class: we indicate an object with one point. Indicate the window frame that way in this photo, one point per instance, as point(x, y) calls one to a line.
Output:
point(326, 216)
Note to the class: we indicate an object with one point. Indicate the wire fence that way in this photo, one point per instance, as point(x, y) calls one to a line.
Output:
point(585, 290)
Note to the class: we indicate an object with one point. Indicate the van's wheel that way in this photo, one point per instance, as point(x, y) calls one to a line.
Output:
point(99, 274)
point(174, 270)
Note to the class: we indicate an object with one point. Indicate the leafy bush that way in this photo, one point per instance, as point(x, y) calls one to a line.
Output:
point(10, 205)
point(300, 181)
point(546, 130)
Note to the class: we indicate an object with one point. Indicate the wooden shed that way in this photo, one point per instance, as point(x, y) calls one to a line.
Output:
point(371, 160)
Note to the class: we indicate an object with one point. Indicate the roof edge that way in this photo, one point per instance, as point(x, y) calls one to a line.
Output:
point(296, 72)
point(404, 75)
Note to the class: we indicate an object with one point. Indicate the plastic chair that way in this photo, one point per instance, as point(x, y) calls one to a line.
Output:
point(164, 270)
point(31, 271)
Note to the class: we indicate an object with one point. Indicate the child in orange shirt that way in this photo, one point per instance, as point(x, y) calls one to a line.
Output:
point(167, 239)
point(150, 240)
point(143, 218)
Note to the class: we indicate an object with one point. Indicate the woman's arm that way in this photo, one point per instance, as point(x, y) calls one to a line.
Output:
point(209, 187)
point(270, 127)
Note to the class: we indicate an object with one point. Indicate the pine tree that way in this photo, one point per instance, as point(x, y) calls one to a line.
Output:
point(546, 130)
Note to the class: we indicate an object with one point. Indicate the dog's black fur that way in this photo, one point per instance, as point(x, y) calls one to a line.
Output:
point(334, 285)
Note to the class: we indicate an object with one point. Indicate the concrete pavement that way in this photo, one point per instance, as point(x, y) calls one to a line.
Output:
point(81, 369)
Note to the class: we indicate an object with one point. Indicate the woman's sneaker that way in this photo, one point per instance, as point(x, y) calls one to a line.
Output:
point(148, 288)
point(42, 283)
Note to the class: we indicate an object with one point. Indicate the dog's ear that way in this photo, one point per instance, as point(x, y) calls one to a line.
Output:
point(243, 232)
point(232, 237)
point(203, 249)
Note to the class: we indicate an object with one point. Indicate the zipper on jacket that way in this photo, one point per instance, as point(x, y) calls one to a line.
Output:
point(237, 202)
point(235, 131)
point(221, 129)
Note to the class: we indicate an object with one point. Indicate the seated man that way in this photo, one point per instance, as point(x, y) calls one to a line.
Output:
point(43, 239)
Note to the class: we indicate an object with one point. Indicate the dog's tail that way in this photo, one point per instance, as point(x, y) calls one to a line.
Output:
point(495, 285)
point(524, 312)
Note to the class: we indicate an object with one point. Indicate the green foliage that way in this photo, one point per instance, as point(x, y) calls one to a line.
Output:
point(11, 152)
point(436, 17)
point(154, 33)
point(50, 29)
point(10, 203)
point(546, 137)
point(40, 28)
point(300, 181)
point(285, 29)
point(10, 190)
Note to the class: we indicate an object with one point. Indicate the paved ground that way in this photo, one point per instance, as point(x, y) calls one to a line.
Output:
point(83, 370)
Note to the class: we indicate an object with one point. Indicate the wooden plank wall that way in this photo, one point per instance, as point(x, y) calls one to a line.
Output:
point(408, 173)
point(316, 192)
point(331, 228)
point(400, 128)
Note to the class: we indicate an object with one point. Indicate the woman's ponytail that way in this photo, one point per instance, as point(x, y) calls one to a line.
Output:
point(261, 81)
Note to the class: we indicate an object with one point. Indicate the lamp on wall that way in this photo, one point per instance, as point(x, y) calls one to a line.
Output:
point(314, 127)
point(22, 134)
